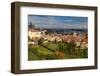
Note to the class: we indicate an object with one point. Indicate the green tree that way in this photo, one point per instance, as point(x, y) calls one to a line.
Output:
point(40, 41)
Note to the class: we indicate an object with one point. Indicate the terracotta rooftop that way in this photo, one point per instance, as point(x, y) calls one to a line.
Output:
point(34, 30)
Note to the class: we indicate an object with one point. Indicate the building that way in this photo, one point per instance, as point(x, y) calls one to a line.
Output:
point(34, 34)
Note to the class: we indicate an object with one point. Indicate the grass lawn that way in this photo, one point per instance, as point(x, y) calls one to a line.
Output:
point(39, 52)
point(51, 45)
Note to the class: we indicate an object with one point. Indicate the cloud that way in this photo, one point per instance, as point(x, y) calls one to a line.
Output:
point(58, 22)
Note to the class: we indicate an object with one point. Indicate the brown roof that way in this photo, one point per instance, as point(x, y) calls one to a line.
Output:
point(34, 30)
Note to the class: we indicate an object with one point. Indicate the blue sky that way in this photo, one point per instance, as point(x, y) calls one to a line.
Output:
point(67, 22)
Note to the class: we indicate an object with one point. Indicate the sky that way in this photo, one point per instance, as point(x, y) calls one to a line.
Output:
point(58, 22)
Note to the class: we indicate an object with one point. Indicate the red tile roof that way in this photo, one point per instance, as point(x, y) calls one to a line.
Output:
point(34, 30)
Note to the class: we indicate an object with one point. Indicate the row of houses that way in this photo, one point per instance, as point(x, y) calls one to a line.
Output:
point(36, 34)
point(77, 39)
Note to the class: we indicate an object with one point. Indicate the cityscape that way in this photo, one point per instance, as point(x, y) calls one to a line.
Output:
point(57, 37)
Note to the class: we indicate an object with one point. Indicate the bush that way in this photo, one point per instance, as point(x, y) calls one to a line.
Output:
point(85, 53)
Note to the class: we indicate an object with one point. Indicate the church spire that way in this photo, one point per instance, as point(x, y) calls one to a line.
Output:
point(31, 25)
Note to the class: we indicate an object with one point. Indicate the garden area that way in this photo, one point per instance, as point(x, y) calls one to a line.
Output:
point(55, 50)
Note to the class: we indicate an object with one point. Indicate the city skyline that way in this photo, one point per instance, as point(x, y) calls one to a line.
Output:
point(58, 22)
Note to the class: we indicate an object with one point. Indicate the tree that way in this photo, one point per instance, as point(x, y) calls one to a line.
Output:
point(40, 41)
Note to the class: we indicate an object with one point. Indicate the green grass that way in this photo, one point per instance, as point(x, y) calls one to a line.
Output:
point(51, 45)
point(38, 52)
